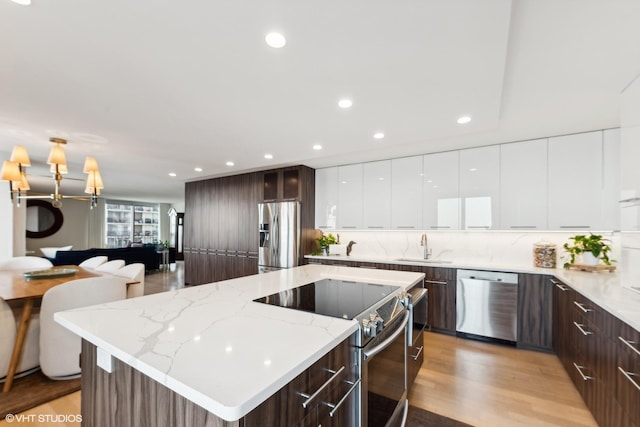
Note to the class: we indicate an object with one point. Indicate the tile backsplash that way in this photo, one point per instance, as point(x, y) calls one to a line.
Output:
point(500, 247)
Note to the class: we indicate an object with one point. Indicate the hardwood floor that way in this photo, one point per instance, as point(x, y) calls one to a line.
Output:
point(478, 383)
point(486, 384)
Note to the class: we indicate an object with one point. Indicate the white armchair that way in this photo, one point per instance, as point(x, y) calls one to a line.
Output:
point(93, 262)
point(110, 266)
point(8, 329)
point(59, 347)
point(135, 272)
point(23, 262)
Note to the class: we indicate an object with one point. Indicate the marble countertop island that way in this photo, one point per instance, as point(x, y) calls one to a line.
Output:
point(216, 347)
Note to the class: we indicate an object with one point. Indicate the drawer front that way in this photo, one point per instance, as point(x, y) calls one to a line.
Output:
point(589, 312)
point(628, 372)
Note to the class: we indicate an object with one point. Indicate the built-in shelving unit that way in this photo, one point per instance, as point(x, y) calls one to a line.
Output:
point(125, 224)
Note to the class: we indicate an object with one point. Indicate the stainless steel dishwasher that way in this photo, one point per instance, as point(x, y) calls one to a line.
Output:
point(487, 304)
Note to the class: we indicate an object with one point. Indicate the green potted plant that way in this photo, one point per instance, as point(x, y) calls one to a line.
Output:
point(323, 243)
point(593, 248)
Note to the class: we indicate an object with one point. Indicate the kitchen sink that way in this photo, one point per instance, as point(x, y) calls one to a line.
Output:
point(424, 261)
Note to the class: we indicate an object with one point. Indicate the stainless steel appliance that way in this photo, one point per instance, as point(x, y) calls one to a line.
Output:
point(381, 341)
point(418, 309)
point(487, 304)
point(279, 226)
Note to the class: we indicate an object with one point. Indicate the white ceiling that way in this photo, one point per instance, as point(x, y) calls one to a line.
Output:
point(152, 87)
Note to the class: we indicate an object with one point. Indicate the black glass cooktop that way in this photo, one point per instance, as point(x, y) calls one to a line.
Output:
point(336, 298)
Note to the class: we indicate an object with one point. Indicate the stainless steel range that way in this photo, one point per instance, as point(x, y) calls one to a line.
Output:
point(381, 341)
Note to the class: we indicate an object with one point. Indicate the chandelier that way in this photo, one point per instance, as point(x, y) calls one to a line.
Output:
point(14, 171)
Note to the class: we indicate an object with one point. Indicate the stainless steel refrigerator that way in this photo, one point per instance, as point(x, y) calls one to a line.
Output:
point(279, 225)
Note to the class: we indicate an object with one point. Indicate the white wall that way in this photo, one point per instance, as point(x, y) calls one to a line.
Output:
point(630, 182)
point(75, 228)
point(12, 226)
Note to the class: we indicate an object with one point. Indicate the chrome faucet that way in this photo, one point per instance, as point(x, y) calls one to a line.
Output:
point(424, 244)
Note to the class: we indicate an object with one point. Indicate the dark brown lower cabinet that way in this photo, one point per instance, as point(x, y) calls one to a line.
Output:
point(535, 312)
point(586, 339)
point(441, 284)
point(127, 398)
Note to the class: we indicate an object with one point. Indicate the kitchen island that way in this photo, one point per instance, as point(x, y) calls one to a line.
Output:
point(211, 344)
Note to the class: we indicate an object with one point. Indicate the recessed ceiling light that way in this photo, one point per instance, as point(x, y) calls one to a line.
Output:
point(345, 103)
point(172, 174)
point(317, 147)
point(230, 163)
point(22, 2)
point(268, 156)
point(463, 119)
point(197, 169)
point(378, 135)
point(275, 40)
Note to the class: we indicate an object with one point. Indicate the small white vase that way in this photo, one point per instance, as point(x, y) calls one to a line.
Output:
point(589, 259)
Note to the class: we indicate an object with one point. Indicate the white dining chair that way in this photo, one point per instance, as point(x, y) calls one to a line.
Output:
point(110, 266)
point(59, 347)
point(134, 272)
point(93, 262)
point(23, 262)
point(8, 329)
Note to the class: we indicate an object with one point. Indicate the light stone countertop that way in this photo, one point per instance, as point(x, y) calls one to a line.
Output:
point(216, 347)
point(608, 290)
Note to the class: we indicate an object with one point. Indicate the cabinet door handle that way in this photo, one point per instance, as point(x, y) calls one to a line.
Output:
point(377, 227)
point(575, 226)
point(579, 326)
point(415, 356)
point(628, 376)
point(310, 398)
point(405, 227)
point(582, 307)
point(337, 406)
point(439, 227)
point(560, 286)
point(523, 227)
point(628, 344)
point(580, 368)
point(435, 282)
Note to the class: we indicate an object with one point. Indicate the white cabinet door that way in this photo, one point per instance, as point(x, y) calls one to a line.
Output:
point(440, 191)
point(611, 180)
point(523, 185)
point(377, 195)
point(575, 182)
point(326, 198)
point(480, 187)
point(406, 193)
point(350, 186)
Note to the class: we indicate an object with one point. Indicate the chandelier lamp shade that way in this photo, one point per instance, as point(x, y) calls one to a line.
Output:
point(14, 171)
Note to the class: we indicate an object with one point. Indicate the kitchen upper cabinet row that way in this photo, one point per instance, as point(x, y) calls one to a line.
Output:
point(560, 183)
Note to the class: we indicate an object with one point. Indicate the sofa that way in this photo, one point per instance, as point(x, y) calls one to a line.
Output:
point(144, 254)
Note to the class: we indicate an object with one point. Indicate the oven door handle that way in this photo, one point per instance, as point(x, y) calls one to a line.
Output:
point(377, 349)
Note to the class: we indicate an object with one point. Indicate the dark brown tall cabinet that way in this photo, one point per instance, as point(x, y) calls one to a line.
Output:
point(221, 220)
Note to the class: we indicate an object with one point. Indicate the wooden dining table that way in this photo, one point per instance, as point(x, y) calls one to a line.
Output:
point(15, 287)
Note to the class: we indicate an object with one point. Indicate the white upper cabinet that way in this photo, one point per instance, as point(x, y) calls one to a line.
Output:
point(440, 191)
point(406, 193)
point(611, 176)
point(480, 187)
point(377, 195)
point(350, 196)
point(575, 182)
point(326, 197)
point(523, 185)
